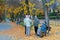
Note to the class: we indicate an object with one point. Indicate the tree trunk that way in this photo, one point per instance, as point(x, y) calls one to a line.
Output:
point(46, 14)
point(27, 3)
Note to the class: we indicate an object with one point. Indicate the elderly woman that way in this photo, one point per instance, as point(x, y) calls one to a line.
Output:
point(42, 30)
point(27, 23)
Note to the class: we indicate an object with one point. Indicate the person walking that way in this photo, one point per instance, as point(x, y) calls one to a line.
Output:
point(36, 22)
point(27, 23)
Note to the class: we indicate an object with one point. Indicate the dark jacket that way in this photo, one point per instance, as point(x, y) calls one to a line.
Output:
point(43, 28)
point(36, 21)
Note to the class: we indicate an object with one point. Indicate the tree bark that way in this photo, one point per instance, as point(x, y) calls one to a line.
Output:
point(27, 3)
point(46, 12)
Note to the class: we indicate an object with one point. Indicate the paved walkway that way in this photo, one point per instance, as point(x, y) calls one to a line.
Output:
point(10, 31)
point(6, 37)
point(5, 26)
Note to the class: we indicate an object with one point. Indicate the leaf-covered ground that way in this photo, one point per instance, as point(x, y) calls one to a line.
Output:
point(17, 33)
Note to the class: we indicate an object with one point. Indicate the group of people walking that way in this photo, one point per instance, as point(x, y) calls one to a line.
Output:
point(38, 31)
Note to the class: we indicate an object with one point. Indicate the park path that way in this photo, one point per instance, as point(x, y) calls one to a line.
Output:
point(17, 33)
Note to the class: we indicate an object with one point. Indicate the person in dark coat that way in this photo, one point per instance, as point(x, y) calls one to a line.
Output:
point(36, 22)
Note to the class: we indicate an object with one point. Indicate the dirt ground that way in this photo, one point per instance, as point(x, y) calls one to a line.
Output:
point(17, 32)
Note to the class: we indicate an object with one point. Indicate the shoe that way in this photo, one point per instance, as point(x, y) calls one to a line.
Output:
point(37, 35)
point(40, 36)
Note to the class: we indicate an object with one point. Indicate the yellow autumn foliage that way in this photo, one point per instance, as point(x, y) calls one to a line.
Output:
point(50, 3)
point(2, 9)
point(25, 12)
point(8, 15)
point(47, 4)
point(38, 11)
point(58, 7)
point(18, 9)
point(9, 9)
point(25, 7)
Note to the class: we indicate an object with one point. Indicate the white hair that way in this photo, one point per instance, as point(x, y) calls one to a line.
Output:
point(35, 16)
point(27, 16)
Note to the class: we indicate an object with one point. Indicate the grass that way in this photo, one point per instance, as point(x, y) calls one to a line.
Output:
point(22, 23)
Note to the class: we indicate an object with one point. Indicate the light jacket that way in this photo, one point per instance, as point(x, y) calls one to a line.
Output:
point(27, 22)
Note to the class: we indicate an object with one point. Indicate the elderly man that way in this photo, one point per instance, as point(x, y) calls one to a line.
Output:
point(27, 23)
point(36, 22)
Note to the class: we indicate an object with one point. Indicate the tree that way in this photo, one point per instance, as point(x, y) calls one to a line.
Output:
point(27, 3)
point(46, 5)
point(1, 1)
